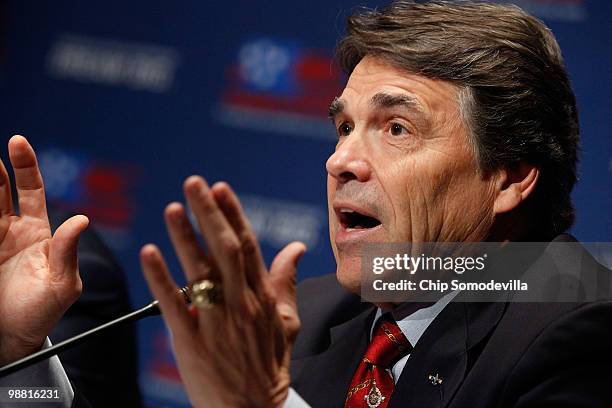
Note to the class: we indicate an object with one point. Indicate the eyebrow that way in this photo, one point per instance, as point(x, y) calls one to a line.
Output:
point(380, 100)
point(335, 108)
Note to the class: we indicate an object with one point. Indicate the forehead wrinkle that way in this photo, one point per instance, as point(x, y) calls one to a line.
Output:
point(386, 100)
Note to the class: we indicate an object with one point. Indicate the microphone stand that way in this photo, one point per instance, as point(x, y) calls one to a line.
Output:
point(152, 309)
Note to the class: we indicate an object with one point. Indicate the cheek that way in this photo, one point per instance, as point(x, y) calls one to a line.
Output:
point(331, 189)
point(468, 207)
point(412, 186)
point(425, 193)
point(474, 196)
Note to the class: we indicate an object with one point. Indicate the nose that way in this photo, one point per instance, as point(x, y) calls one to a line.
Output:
point(349, 161)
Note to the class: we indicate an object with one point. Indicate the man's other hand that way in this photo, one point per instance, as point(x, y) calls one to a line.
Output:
point(235, 354)
point(39, 277)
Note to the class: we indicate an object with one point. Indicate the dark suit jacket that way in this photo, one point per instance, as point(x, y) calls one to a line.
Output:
point(104, 367)
point(488, 354)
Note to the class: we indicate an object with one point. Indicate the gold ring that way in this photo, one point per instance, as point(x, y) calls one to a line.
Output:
point(206, 294)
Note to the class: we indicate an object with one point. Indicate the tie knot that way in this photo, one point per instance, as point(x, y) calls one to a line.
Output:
point(388, 344)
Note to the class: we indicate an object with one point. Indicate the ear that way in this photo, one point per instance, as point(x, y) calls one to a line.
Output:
point(514, 185)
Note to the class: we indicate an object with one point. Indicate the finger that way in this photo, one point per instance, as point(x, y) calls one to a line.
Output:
point(63, 263)
point(191, 256)
point(6, 198)
point(283, 277)
point(28, 180)
point(63, 246)
point(164, 289)
point(253, 261)
point(222, 243)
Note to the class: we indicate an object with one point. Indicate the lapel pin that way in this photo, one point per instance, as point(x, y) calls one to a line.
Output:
point(435, 379)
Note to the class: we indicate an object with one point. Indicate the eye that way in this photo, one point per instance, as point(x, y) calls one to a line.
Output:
point(344, 129)
point(397, 130)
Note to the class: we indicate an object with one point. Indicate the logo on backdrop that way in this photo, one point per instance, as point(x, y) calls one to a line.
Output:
point(553, 10)
point(279, 222)
point(99, 189)
point(141, 67)
point(276, 85)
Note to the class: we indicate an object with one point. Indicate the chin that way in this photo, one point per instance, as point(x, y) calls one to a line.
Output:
point(348, 274)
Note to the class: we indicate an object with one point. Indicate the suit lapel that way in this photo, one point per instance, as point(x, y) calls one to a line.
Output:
point(444, 349)
point(441, 358)
point(335, 366)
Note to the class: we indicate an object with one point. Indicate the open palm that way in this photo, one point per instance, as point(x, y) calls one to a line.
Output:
point(39, 277)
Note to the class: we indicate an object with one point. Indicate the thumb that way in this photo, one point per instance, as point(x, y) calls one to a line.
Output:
point(63, 248)
point(283, 272)
point(283, 280)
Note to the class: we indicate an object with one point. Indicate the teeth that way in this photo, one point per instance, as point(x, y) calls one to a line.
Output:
point(346, 210)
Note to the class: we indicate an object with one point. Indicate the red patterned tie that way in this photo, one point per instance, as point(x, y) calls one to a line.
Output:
point(372, 383)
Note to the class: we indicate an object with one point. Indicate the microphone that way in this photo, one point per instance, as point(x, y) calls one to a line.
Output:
point(152, 309)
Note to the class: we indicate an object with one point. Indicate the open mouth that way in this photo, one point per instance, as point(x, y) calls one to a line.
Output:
point(353, 220)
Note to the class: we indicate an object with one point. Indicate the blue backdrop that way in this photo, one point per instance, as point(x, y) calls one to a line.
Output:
point(123, 100)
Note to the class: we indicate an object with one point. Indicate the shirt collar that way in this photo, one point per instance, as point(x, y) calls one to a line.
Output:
point(414, 324)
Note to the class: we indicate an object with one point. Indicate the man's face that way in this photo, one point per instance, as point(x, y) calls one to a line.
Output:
point(403, 169)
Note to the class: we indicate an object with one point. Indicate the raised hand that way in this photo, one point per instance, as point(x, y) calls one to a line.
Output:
point(39, 277)
point(235, 354)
